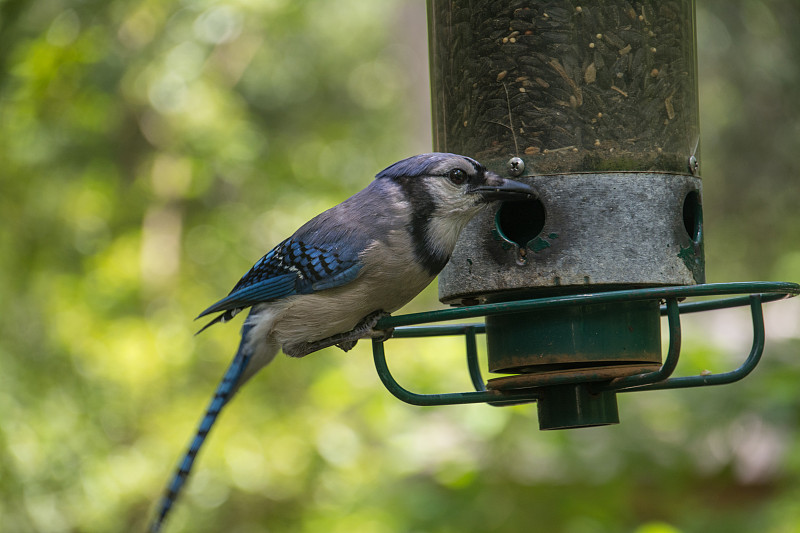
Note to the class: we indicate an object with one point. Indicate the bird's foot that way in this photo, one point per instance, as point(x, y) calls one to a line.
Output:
point(347, 340)
point(366, 328)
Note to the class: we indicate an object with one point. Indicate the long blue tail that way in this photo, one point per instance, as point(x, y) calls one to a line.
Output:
point(221, 396)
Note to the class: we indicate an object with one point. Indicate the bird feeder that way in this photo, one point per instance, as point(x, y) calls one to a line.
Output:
point(596, 107)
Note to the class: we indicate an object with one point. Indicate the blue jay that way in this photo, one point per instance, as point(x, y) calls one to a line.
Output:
point(330, 282)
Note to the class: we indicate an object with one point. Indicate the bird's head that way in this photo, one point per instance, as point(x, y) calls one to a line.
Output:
point(444, 191)
point(452, 183)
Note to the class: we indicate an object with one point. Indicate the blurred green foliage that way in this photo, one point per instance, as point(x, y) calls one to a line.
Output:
point(150, 151)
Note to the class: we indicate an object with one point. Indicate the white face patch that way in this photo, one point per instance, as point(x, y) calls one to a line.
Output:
point(451, 200)
point(454, 209)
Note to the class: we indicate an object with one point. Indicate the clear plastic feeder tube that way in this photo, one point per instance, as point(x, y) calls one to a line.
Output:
point(569, 86)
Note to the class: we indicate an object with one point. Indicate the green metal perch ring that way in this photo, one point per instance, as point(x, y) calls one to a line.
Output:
point(753, 294)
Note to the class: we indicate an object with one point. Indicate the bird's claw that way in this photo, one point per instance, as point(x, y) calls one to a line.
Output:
point(347, 340)
point(347, 345)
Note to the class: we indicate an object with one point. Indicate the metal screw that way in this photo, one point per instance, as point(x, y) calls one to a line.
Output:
point(515, 166)
point(694, 165)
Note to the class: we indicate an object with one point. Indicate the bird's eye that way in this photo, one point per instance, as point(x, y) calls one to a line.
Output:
point(457, 176)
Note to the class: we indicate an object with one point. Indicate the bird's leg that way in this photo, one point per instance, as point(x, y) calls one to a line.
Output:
point(346, 340)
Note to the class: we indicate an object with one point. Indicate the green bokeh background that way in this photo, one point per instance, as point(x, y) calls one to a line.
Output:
point(151, 151)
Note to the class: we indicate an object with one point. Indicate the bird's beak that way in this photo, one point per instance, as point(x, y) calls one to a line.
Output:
point(497, 188)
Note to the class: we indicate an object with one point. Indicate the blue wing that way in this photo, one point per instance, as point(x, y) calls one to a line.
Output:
point(292, 267)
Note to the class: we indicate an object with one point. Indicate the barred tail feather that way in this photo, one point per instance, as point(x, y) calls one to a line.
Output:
point(225, 390)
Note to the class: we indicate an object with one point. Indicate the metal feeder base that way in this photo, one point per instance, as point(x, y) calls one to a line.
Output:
point(585, 233)
point(574, 406)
